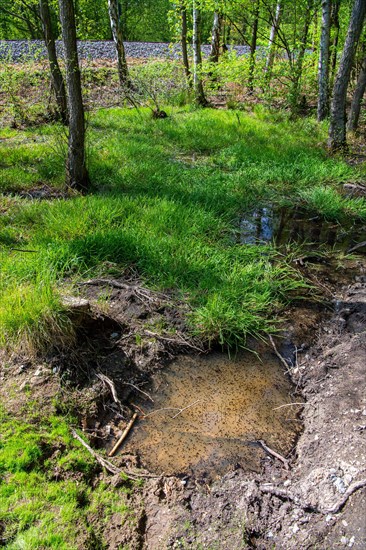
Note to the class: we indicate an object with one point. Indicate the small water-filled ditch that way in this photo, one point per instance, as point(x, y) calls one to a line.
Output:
point(285, 225)
point(209, 413)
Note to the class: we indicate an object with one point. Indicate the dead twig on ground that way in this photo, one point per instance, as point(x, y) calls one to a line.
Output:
point(139, 390)
point(136, 289)
point(179, 340)
point(111, 468)
point(187, 407)
point(124, 435)
point(274, 453)
point(351, 489)
point(289, 405)
point(111, 386)
point(282, 359)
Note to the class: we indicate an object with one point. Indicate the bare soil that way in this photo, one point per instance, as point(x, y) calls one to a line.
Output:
point(129, 334)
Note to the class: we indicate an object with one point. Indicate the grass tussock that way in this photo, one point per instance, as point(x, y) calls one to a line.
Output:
point(166, 198)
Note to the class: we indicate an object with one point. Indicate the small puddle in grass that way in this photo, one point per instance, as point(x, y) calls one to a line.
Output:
point(208, 413)
point(284, 225)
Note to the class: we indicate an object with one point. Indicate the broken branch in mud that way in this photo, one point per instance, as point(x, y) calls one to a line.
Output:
point(185, 408)
point(289, 405)
point(274, 453)
point(111, 386)
point(111, 468)
point(285, 495)
point(139, 390)
point(102, 461)
point(282, 359)
point(351, 489)
point(136, 289)
point(179, 340)
point(124, 435)
point(173, 409)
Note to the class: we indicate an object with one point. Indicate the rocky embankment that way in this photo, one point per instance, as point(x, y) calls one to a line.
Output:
point(22, 50)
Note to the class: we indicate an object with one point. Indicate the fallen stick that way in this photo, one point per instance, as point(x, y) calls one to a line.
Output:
point(124, 435)
point(111, 386)
point(351, 489)
point(185, 408)
point(111, 468)
point(102, 461)
point(273, 453)
point(181, 341)
point(282, 359)
point(288, 405)
point(138, 389)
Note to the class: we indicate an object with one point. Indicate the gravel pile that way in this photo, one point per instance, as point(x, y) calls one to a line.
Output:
point(23, 50)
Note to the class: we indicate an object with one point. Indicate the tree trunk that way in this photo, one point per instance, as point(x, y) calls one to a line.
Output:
point(216, 37)
point(253, 47)
point(272, 38)
point(334, 19)
point(323, 75)
point(359, 92)
point(183, 12)
point(118, 40)
point(337, 131)
point(57, 80)
point(295, 87)
point(76, 172)
point(199, 94)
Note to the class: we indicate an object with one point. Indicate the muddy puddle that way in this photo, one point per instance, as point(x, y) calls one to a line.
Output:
point(286, 225)
point(209, 413)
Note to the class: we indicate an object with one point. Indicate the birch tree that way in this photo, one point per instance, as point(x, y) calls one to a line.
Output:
point(272, 39)
point(199, 93)
point(76, 172)
point(337, 130)
point(253, 47)
point(118, 40)
point(183, 40)
point(57, 80)
point(216, 37)
point(323, 73)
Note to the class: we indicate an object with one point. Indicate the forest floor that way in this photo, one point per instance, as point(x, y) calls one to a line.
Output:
point(204, 231)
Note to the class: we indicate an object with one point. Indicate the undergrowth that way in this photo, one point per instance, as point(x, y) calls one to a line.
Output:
point(166, 199)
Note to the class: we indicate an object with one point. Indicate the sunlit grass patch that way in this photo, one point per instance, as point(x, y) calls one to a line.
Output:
point(166, 198)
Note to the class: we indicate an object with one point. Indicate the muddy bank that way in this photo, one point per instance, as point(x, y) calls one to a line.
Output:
point(321, 501)
point(228, 499)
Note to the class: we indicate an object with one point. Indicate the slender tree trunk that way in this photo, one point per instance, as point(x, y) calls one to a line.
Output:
point(216, 37)
point(295, 87)
point(253, 47)
point(76, 172)
point(118, 40)
point(334, 20)
point(323, 74)
point(200, 98)
point(272, 38)
point(183, 13)
point(337, 130)
point(359, 92)
point(57, 80)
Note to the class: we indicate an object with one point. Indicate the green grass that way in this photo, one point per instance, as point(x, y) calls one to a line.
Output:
point(46, 496)
point(166, 199)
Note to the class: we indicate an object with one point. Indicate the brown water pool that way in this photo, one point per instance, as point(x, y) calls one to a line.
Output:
point(209, 412)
